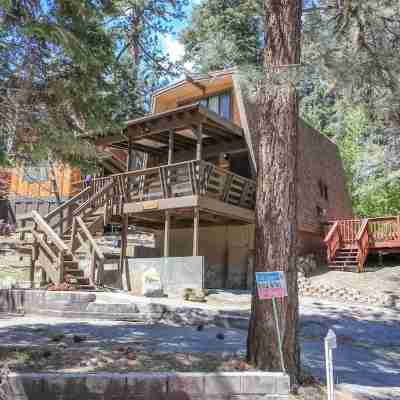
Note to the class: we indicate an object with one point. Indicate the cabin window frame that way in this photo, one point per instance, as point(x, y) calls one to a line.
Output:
point(36, 172)
point(218, 94)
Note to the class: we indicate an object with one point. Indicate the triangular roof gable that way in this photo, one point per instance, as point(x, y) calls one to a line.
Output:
point(240, 96)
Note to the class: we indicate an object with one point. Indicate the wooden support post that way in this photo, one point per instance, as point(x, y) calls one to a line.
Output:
point(61, 267)
point(129, 162)
point(43, 277)
point(167, 233)
point(167, 226)
point(23, 226)
point(127, 275)
point(92, 268)
point(196, 220)
point(34, 256)
point(124, 233)
point(129, 159)
point(199, 145)
point(199, 154)
point(171, 147)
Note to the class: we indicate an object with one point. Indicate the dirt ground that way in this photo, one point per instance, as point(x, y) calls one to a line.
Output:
point(376, 280)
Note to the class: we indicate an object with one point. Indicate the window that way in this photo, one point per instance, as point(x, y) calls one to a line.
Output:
point(36, 172)
point(220, 104)
point(323, 189)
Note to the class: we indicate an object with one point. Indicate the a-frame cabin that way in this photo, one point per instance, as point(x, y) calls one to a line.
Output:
point(194, 185)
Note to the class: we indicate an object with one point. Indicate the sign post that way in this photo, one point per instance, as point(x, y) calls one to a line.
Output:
point(272, 285)
point(330, 344)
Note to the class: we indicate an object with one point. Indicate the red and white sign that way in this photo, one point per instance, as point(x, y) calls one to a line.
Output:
point(271, 285)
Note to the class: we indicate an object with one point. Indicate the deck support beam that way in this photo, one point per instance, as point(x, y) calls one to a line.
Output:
point(167, 225)
point(196, 220)
point(124, 233)
point(199, 144)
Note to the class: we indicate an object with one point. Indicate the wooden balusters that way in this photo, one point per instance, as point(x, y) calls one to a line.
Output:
point(362, 240)
point(333, 241)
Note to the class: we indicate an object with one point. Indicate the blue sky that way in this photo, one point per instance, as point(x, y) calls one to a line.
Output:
point(170, 42)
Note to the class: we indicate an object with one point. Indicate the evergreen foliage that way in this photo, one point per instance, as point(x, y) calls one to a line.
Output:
point(223, 34)
point(69, 68)
point(349, 86)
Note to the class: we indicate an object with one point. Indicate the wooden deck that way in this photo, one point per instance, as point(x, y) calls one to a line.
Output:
point(350, 241)
point(136, 190)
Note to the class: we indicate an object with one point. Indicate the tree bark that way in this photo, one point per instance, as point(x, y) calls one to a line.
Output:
point(276, 216)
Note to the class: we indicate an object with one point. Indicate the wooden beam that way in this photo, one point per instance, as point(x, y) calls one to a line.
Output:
point(213, 150)
point(161, 204)
point(197, 84)
point(167, 233)
point(129, 158)
point(171, 146)
point(147, 149)
point(196, 220)
point(227, 210)
point(199, 145)
point(124, 233)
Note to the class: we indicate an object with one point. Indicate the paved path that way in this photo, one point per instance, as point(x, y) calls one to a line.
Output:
point(367, 359)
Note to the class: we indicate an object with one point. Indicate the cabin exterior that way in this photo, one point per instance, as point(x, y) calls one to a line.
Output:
point(190, 179)
point(196, 185)
point(32, 187)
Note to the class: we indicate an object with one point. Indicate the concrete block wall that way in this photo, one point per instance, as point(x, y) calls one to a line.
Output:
point(149, 386)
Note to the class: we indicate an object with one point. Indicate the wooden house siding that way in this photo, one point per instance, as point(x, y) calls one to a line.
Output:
point(318, 163)
point(20, 187)
point(189, 93)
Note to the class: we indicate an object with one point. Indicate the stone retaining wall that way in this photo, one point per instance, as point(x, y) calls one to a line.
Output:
point(97, 305)
point(150, 386)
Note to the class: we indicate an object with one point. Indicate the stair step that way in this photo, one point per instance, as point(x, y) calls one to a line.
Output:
point(337, 266)
point(74, 272)
point(71, 264)
point(86, 287)
point(344, 262)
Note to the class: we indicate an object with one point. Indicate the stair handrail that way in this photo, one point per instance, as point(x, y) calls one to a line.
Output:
point(49, 232)
point(104, 190)
point(64, 205)
point(333, 241)
point(362, 240)
point(97, 256)
point(49, 236)
point(70, 204)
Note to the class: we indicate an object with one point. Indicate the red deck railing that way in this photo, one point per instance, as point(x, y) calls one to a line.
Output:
point(364, 235)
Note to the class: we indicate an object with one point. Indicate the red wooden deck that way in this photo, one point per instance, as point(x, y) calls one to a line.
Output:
point(365, 236)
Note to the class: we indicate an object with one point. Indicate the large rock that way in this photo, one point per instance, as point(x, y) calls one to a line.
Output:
point(307, 264)
point(151, 283)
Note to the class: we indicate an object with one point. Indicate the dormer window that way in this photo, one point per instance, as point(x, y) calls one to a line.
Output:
point(219, 103)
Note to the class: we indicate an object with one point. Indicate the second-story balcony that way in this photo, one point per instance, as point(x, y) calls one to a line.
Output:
point(188, 178)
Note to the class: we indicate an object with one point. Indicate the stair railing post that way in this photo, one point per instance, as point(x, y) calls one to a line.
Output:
point(34, 257)
point(61, 266)
point(74, 231)
point(92, 273)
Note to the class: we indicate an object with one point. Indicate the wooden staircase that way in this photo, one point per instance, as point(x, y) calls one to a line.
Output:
point(350, 241)
point(58, 236)
point(345, 258)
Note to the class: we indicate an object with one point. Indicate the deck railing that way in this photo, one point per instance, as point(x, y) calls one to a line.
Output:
point(362, 240)
point(180, 179)
point(332, 241)
point(384, 229)
point(365, 235)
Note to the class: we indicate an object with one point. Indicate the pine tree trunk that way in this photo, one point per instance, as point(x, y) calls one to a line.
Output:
point(276, 218)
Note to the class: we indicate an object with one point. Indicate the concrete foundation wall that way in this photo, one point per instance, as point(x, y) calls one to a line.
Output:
point(175, 273)
point(150, 386)
point(226, 249)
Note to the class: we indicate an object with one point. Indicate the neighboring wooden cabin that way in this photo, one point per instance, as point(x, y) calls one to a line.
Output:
point(205, 205)
point(32, 187)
